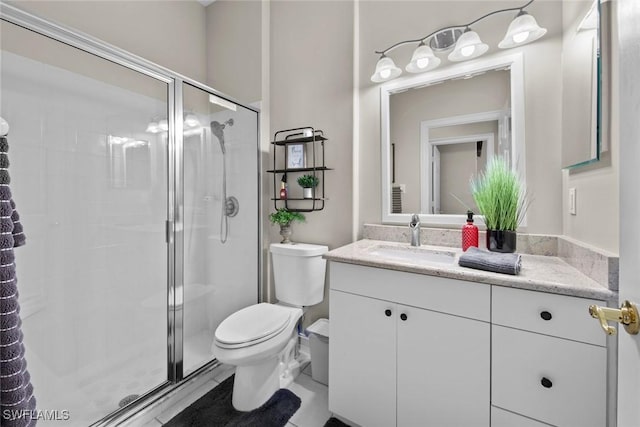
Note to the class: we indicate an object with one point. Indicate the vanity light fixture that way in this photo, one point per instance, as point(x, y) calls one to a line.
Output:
point(156, 125)
point(191, 121)
point(468, 45)
point(163, 125)
point(385, 70)
point(522, 30)
point(423, 59)
point(153, 127)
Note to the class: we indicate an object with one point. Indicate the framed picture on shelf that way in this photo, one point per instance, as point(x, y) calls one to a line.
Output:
point(296, 156)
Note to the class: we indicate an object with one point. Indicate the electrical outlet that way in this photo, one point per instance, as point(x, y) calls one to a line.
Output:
point(572, 201)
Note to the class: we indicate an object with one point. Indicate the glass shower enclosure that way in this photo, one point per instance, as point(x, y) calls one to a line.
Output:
point(138, 191)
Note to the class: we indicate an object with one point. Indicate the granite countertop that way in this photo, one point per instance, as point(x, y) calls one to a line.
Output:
point(538, 273)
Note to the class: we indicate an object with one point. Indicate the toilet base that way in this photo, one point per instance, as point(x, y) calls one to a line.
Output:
point(255, 384)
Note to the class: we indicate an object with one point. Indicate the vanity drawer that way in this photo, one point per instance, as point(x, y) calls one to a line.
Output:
point(457, 297)
point(540, 377)
point(550, 314)
point(502, 418)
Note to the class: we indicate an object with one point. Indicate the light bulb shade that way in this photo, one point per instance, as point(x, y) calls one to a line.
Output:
point(522, 30)
point(153, 127)
point(468, 46)
point(191, 121)
point(423, 59)
point(385, 70)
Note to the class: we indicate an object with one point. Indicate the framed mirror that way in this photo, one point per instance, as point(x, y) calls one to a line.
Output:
point(581, 83)
point(438, 130)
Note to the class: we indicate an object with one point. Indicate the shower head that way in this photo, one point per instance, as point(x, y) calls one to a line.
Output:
point(217, 129)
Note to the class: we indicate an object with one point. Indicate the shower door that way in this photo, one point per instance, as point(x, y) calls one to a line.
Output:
point(221, 204)
point(90, 181)
point(138, 190)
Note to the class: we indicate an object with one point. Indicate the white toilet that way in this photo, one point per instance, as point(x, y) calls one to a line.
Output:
point(260, 340)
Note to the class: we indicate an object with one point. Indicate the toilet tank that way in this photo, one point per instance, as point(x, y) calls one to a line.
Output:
point(298, 273)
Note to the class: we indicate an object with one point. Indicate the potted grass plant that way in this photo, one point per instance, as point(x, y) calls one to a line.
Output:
point(502, 199)
point(284, 218)
point(308, 183)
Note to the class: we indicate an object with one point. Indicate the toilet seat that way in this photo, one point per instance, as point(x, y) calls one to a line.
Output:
point(252, 325)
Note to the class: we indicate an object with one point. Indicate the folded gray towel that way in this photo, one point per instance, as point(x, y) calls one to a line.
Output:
point(497, 262)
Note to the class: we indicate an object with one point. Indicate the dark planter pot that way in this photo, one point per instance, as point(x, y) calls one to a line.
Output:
point(501, 241)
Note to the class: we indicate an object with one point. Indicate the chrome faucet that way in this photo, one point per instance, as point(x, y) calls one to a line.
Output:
point(414, 228)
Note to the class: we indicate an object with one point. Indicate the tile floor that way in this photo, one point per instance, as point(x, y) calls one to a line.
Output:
point(313, 412)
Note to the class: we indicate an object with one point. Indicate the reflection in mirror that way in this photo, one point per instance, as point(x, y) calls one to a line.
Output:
point(456, 152)
point(581, 88)
point(443, 129)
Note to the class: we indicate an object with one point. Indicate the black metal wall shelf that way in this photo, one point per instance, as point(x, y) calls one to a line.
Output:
point(321, 168)
point(301, 139)
point(302, 152)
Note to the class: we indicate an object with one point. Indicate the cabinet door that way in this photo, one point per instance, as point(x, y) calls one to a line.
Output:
point(362, 359)
point(443, 370)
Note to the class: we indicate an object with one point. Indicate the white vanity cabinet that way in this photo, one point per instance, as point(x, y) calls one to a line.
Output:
point(408, 349)
point(549, 359)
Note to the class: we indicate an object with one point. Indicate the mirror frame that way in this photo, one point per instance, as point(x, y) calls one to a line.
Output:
point(515, 63)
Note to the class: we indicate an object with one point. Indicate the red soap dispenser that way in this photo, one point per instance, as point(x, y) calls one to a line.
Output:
point(469, 233)
point(283, 187)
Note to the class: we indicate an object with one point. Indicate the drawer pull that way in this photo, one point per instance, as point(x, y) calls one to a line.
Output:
point(387, 312)
point(546, 382)
point(546, 315)
point(403, 316)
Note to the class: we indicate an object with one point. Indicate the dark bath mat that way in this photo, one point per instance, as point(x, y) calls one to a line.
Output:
point(215, 409)
point(334, 422)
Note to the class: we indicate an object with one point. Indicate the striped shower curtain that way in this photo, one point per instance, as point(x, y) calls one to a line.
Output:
point(17, 403)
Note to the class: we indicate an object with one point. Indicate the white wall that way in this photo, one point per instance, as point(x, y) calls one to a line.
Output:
point(234, 51)
point(459, 163)
point(311, 60)
point(385, 23)
point(169, 33)
point(306, 80)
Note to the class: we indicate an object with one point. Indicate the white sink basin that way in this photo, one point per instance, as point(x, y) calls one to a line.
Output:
point(414, 254)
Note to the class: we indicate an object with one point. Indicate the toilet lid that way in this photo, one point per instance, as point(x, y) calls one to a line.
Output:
point(252, 324)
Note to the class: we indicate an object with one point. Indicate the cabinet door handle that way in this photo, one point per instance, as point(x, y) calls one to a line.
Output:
point(387, 312)
point(545, 315)
point(546, 382)
point(403, 316)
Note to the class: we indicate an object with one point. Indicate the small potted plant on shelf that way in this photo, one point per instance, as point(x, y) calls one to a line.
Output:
point(284, 218)
point(308, 183)
point(503, 200)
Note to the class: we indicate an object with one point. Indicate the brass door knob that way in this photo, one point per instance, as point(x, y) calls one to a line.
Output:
point(627, 314)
